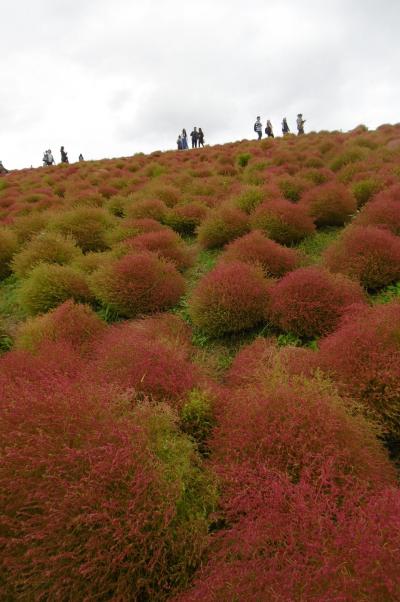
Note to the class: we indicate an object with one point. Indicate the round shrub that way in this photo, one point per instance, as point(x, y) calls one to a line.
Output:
point(255, 248)
point(166, 243)
point(133, 357)
point(27, 226)
point(128, 227)
point(70, 322)
point(147, 208)
point(137, 284)
point(49, 285)
point(363, 356)
point(46, 247)
point(186, 218)
point(102, 499)
point(87, 225)
point(367, 253)
point(383, 210)
point(282, 221)
point(252, 362)
point(329, 205)
point(250, 198)
point(221, 226)
point(230, 298)
point(364, 190)
point(8, 246)
point(92, 261)
point(292, 188)
point(309, 302)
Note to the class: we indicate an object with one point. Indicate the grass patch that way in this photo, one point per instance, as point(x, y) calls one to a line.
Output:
point(313, 246)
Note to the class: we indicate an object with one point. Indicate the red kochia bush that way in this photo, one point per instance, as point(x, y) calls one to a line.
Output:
point(221, 226)
point(100, 499)
point(282, 221)
point(138, 284)
point(330, 204)
point(230, 298)
point(363, 356)
point(370, 254)
point(303, 547)
point(310, 301)
point(165, 243)
point(134, 356)
point(256, 248)
point(70, 322)
point(383, 210)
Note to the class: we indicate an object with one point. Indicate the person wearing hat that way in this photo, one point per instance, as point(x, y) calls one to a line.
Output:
point(258, 127)
point(300, 124)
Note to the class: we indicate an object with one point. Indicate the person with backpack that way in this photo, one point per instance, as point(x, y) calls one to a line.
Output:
point(195, 136)
point(3, 170)
point(285, 127)
point(184, 140)
point(258, 128)
point(201, 138)
point(268, 130)
point(64, 156)
point(179, 142)
point(300, 124)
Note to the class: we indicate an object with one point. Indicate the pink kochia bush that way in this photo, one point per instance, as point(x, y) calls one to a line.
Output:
point(366, 253)
point(166, 243)
point(256, 248)
point(137, 284)
point(363, 356)
point(383, 210)
point(230, 298)
point(282, 221)
point(309, 301)
point(101, 498)
point(331, 204)
point(147, 357)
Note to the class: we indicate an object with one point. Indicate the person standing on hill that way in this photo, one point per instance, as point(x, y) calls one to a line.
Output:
point(300, 124)
point(258, 128)
point(268, 130)
point(3, 170)
point(195, 136)
point(48, 158)
point(179, 142)
point(80, 158)
point(285, 127)
point(64, 156)
point(201, 138)
point(184, 140)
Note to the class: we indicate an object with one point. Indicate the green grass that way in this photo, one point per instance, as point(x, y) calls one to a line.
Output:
point(313, 246)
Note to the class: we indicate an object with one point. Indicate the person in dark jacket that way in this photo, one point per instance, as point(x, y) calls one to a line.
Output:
point(285, 127)
point(179, 142)
point(258, 128)
point(184, 140)
point(201, 138)
point(195, 136)
point(64, 156)
point(80, 158)
point(268, 130)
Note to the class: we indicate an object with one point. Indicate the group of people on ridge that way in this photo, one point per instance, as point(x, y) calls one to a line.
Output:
point(197, 136)
point(258, 128)
point(48, 158)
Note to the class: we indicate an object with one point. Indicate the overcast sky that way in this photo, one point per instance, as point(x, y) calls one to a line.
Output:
point(113, 77)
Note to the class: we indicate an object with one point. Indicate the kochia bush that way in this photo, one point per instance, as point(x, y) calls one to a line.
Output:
point(282, 221)
point(309, 302)
point(47, 247)
point(230, 298)
point(89, 226)
point(383, 211)
point(329, 205)
point(367, 253)
point(137, 284)
point(166, 243)
point(8, 246)
point(221, 226)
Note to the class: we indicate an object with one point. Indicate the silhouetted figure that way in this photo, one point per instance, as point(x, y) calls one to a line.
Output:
point(64, 156)
point(179, 142)
point(184, 140)
point(80, 158)
point(258, 128)
point(48, 158)
point(268, 130)
point(285, 127)
point(300, 124)
point(195, 136)
point(201, 138)
point(3, 170)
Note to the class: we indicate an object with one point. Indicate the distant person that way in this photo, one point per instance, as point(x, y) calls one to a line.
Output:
point(300, 124)
point(195, 136)
point(64, 156)
point(201, 138)
point(80, 158)
point(285, 127)
point(48, 158)
point(268, 130)
point(258, 128)
point(184, 140)
point(3, 170)
point(179, 142)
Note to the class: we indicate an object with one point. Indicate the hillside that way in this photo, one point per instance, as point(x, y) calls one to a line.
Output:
point(200, 374)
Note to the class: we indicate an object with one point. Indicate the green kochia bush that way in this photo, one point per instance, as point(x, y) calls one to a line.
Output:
point(138, 284)
point(49, 285)
point(230, 298)
point(47, 247)
point(282, 221)
point(8, 246)
point(221, 226)
point(89, 226)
